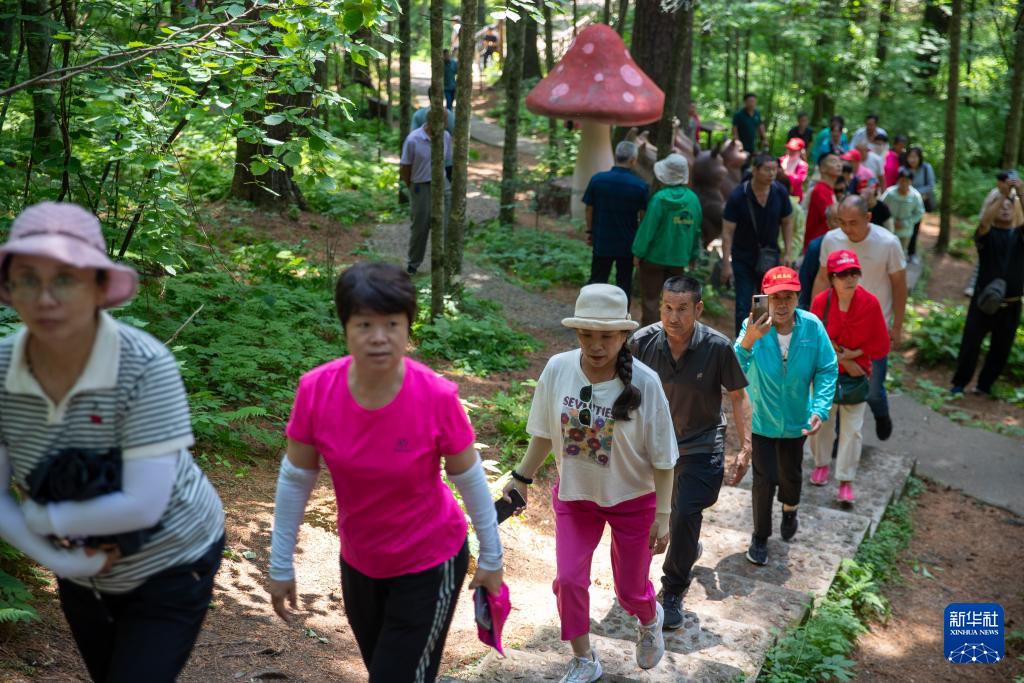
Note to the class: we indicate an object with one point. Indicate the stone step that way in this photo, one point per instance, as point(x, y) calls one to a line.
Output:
point(731, 597)
point(618, 660)
point(834, 529)
point(880, 478)
point(799, 566)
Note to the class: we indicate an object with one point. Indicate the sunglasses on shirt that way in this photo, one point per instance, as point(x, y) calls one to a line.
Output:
point(586, 395)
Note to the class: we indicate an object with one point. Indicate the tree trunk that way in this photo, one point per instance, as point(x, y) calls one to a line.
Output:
point(679, 79)
point(509, 156)
point(746, 62)
point(8, 24)
point(952, 96)
point(438, 121)
point(656, 39)
point(886, 11)
point(727, 76)
point(620, 20)
point(276, 188)
point(531, 57)
point(404, 79)
point(575, 17)
point(389, 88)
point(929, 56)
point(549, 64)
point(38, 44)
point(460, 152)
point(606, 15)
point(1012, 139)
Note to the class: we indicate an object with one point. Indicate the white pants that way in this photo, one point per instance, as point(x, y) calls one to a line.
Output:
point(850, 440)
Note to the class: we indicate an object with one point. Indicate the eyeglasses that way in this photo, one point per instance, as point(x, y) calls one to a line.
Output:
point(586, 395)
point(28, 288)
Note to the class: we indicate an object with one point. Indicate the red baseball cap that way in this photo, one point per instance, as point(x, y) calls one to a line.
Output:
point(853, 155)
point(795, 144)
point(780, 279)
point(841, 260)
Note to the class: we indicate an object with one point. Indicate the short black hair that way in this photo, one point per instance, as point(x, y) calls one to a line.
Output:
point(376, 287)
point(825, 155)
point(681, 284)
point(901, 138)
point(907, 173)
point(1002, 175)
point(801, 115)
point(836, 119)
point(748, 95)
point(882, 136)
point(871, 117)
point(763, 158)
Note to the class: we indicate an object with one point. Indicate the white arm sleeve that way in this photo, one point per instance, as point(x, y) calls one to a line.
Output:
point(294, 485)
point(472, 486)
point(14, 530)
point(146, 486)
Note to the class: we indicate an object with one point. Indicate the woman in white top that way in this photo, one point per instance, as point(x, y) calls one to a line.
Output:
point(606, 418)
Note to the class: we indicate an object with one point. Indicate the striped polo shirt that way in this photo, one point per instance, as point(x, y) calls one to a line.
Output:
point(129, 396)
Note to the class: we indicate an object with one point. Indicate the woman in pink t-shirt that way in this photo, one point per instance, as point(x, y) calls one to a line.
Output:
point(606, 419)
point(383, 423)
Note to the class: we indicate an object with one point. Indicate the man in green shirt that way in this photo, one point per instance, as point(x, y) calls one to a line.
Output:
point(669, 237)
point(747, 126)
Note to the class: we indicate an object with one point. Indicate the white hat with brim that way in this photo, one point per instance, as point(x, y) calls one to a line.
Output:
point(601, 307)
point(672, 170)
point(69, 234)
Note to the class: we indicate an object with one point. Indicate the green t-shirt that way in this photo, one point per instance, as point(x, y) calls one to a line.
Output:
point(747, 126)
point(669, 234)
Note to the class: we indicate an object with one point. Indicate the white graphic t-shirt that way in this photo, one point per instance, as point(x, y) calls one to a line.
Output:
point(599, 458)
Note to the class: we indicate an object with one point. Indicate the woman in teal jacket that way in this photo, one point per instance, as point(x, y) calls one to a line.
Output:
point(792, 370)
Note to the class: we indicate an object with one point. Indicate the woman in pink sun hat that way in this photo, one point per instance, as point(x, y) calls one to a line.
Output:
point(859, 334)
point(95, 431)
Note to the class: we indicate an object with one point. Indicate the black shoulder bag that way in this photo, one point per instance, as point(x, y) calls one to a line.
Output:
point(769, 256)
point(850, 390)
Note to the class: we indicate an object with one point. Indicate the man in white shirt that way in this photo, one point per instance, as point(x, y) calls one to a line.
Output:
point(868, 131)
point(415, 171)
point(884, 274)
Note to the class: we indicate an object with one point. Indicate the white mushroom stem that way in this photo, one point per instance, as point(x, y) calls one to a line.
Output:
point(594, 155)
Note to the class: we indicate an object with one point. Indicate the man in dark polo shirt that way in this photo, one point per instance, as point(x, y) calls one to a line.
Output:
point(694, 362)
point(615, 201)
point(747, 126)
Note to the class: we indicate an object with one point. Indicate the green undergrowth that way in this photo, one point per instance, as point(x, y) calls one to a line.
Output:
point(500, 422)
point(15, 597)
point(537, 259)
point(819, 649)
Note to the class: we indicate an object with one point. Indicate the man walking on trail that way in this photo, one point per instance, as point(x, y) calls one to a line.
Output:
point(868, 131)
point(822, 196)
point(884, 274)
point(747, 126)
point(451, 71)
point(754, 214)
point(414, 170)
point(803, 131)
point(615, 201)
point(695, 363)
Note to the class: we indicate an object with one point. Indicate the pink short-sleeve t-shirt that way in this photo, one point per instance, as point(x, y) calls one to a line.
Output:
point(395, 513)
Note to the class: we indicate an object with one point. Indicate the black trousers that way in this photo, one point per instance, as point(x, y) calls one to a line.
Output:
point(777, 464)
point(1002, 325)
point(401, 623)
point(698, 481)
point(912, 244)
point(147, 633)
point(601, 268)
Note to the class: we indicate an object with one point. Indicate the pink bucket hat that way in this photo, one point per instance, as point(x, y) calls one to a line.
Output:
point(69, 234)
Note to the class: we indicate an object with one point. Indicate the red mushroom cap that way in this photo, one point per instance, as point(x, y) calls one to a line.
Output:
point(598, 80)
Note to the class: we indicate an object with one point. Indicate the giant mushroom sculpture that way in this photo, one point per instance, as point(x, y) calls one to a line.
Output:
point(597, 85)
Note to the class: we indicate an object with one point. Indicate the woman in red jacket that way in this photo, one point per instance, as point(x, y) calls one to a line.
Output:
point(856, 326)
point(793, 165)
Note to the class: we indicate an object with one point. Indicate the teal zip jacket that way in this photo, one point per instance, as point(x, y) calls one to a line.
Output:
point(785, 395)
point(669, 234)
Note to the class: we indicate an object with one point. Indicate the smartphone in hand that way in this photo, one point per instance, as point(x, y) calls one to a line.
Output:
point(759, 306)
point(506, 509)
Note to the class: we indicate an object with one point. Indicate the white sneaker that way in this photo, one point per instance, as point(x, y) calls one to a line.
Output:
point(583, 669)
point(650, 644)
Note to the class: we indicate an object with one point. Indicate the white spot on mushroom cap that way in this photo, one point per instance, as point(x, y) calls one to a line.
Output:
point(588, 48)
point(560, 69)
point(559, 90)
point(630, 75)
point(598, 77)
point(628, 97)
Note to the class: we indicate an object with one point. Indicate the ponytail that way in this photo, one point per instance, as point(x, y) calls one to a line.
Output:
point(629, 399)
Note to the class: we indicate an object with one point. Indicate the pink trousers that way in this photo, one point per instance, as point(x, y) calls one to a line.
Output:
point(578, 529)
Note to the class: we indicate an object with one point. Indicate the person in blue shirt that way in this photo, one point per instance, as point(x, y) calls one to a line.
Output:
point(615, 201)
point(792, 369)
point(451, 70)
